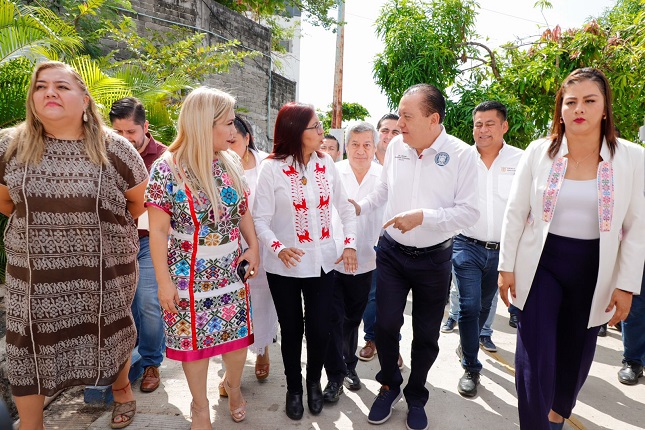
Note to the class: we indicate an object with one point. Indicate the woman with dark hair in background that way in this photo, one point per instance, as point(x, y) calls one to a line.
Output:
point(293, 217)
point(591, 248)
point(265, 319)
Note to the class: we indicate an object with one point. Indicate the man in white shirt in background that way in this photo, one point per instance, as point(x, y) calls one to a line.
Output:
point(359, 175)
point(331, 146)
point(429, 194)
point(387, 129)
point(476, 249)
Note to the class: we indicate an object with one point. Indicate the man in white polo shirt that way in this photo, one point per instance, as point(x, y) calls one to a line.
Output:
point(476, 249)
point(429, 194)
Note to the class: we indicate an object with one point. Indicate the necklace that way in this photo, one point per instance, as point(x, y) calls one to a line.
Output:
point(578, 162)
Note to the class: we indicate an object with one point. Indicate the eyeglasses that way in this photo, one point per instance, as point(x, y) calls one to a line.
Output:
point(317, 126)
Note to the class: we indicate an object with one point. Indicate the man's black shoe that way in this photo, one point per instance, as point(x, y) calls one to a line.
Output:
point(352, 381)
point(332, 392)
point(512, 320)
point(468, 384)
point(314, 397)
point(294, 406)
point(630, 373)
point(603, 331)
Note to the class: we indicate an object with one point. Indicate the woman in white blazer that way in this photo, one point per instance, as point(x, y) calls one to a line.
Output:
point(573, 243)
point(265, 319)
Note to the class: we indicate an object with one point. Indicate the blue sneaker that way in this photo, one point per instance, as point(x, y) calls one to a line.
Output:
point(416, 419)
point(381, 409)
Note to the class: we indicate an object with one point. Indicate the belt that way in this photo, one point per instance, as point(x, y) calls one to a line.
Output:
point(493, 246)
point(413, 251)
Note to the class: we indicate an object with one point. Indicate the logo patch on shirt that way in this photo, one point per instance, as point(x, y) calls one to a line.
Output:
point(402, 157)
point(507, 170)
point(441, 159)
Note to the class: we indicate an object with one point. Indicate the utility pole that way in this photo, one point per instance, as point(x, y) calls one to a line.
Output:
point(337, 105)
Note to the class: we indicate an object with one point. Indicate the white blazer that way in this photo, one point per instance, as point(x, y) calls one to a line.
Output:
point(621, 210)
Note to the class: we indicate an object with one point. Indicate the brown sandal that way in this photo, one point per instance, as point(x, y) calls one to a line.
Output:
point(125, 410)
point(262, 371)
point(262, 368)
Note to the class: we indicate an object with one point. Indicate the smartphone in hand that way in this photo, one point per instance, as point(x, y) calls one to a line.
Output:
point(242, 268)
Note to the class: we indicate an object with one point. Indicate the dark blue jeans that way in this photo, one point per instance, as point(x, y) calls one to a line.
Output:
point(350, 298)
point(146, 310)
point(634, 330)
point(428, 277)
point(369, 316)
point(475, 271)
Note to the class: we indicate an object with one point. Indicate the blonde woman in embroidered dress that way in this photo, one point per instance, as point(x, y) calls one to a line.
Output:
point(292, 214)
point(591, 247)
point(72, 189)
point(265, 319)
point(198, 193)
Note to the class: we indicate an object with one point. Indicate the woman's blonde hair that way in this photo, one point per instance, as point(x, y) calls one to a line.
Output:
point(28, 137)
point(192, 150)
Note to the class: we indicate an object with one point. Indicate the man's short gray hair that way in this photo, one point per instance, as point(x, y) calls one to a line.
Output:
point(361, 127)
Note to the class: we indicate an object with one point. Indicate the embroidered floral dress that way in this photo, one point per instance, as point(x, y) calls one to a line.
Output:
point(71, 266)
point(214, 304)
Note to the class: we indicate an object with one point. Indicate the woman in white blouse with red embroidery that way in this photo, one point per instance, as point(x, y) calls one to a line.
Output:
point(296, 187)
point(591, 248)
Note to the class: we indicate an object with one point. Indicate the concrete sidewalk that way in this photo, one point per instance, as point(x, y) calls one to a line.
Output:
point(604, 403)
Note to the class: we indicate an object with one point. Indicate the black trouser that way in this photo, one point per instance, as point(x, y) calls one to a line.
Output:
point(428, 276)
point(288, 294)
point(350, 299)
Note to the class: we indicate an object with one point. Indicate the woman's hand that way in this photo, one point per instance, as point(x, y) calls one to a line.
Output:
point(291, 256)
point(252, 255)
point(168, 296)
point(622, 300)
point(506, 282)
point(349, 260)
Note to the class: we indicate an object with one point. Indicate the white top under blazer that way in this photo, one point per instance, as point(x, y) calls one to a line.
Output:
point(621, 220)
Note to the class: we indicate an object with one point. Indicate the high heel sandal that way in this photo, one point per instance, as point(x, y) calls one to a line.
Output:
point(262, 369)
point(125, 410)
point(203, 414)
point(221, 388)
point(238, 412)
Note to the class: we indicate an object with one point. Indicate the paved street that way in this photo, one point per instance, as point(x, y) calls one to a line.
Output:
point(604, 403)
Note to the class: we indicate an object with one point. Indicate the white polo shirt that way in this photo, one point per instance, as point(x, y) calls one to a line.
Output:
point(369, 226)
point(442, 181)
point(293, 208)
point(494, 188)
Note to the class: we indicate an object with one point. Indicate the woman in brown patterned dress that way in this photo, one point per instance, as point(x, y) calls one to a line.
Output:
point(72, 190)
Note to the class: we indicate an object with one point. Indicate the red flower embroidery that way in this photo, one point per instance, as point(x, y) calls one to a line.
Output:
point(275, 245)
point(186, 246)
point(348, 240)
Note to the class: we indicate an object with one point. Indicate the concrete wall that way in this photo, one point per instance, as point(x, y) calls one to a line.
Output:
point(253, 85)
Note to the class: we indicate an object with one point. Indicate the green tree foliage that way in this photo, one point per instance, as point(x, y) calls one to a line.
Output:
point(88, 18)
point(161, 67)
point(424, 42)
point(523, 74)
point(351, 112)
point(316, 10)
